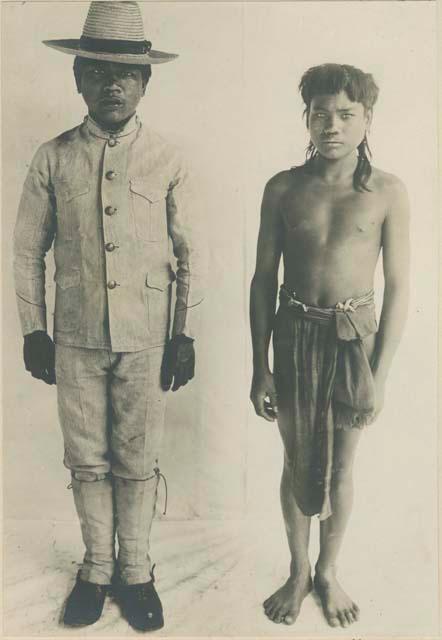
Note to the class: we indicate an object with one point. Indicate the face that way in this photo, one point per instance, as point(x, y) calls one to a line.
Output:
point(337, 125)
point(111, 90)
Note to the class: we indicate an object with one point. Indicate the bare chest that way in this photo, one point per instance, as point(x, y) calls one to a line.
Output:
point(329, 216)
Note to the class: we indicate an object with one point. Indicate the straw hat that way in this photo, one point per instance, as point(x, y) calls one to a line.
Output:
point(113, 32)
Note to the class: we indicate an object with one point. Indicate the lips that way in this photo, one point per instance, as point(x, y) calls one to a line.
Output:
point(112, 103)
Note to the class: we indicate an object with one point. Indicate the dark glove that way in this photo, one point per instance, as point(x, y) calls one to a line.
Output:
point(39, 356)
point(178, 363)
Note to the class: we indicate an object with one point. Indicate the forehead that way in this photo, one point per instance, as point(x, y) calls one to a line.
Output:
point(335, 102)
point(108, 66)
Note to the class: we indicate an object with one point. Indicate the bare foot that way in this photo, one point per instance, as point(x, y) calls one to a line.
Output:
point(338, 607)
point(284, 605)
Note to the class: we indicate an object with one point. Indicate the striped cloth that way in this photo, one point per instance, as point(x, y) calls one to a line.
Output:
point(323, 382)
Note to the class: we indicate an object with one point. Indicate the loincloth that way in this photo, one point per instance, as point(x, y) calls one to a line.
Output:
point(323, 382)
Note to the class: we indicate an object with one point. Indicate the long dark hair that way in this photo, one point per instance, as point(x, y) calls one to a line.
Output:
point(360, 87)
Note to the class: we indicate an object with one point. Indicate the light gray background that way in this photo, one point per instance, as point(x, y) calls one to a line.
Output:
point(231, 103)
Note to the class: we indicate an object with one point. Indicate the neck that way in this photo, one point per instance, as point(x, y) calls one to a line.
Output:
point(339, 170)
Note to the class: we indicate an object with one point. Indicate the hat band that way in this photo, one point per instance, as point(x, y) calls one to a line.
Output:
point(101, 45)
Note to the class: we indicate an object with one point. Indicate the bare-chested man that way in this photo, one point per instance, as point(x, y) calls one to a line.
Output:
point(329, 220)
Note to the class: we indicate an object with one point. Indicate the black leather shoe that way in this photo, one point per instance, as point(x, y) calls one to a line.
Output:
point(85, 603)
point(141, 605)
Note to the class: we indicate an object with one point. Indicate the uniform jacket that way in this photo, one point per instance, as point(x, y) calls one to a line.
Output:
point(122, 218)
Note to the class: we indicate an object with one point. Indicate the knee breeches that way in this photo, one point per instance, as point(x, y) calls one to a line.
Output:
point(111, 408)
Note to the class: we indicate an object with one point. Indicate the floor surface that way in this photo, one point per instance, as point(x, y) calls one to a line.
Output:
point(212, 578)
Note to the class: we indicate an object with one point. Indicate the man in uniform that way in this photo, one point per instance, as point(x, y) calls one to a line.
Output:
point(114, 199)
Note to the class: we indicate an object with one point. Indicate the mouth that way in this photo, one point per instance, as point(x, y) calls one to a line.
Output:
point(332, 143)
point(111, 103)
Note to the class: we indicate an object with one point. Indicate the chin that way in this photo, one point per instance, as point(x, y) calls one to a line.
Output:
point(332, 154)
point(109, 117)
point(335, 153)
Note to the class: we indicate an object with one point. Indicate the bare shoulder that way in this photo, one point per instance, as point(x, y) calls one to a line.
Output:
point(387, 183)
point(279, 184)
point(392, 190)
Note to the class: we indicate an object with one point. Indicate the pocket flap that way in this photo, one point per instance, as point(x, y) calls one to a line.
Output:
point(146, 189)
point(68, 190)
point(67, 280)
point(160, 279)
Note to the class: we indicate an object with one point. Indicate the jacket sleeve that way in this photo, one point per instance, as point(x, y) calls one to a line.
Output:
point(186, 230)
point(33, 235)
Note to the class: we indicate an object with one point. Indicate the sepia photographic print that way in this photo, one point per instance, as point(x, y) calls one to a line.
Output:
point(220, 319)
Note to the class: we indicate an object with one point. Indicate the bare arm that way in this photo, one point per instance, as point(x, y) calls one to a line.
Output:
point(263, 296)
point(396, 259)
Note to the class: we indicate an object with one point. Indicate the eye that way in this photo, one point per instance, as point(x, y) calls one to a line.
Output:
point(96, 71)
point(128, 74)
point(319, 115)
point(347, 116)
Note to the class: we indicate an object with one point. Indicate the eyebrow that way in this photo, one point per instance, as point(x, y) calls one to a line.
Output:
point(345, 109)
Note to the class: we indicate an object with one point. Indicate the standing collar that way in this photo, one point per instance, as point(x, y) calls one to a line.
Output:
point(131, 125)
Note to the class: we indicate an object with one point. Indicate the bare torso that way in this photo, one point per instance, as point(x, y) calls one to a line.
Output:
point(331, 235)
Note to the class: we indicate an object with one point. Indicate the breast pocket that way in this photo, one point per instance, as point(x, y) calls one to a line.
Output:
point(149, 210)
point(72, 203)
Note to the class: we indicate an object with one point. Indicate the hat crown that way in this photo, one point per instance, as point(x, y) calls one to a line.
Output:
point(114, 21)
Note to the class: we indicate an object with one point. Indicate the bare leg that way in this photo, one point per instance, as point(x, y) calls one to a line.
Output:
point(338, 606)
point(284, 605)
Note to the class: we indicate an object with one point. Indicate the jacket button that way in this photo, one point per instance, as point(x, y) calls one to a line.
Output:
point(110, 175)
point(109, 246)
point(109, 211)
point(111, 284)
point(112, 142)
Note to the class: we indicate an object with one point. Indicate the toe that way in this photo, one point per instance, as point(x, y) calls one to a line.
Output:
point(289, 618)
point(277, 616)
point(269, 604)
point(271, 610)
point(355, 611)
point(342, 619)
point(268, 611)
point(333, 621)
point(349, 616)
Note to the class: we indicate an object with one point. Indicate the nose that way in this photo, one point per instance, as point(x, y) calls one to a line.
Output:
point(111, 82)
point(331, 125)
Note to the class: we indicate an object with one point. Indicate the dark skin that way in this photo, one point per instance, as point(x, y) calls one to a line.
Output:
point(329, 237)
point(111, 92)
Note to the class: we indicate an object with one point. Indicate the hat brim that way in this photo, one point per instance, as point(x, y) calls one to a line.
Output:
point(73, 48)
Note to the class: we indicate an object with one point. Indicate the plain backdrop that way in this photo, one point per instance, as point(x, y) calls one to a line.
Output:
point(230, 102)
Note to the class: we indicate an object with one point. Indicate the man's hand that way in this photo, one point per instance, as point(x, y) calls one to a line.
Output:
point(39, 356)
point(178, 363)
point(263, 396)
